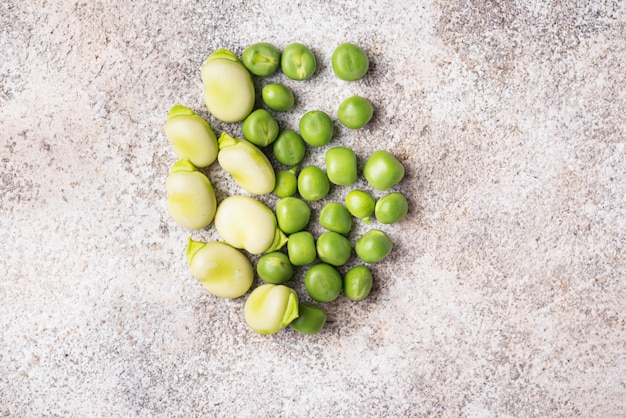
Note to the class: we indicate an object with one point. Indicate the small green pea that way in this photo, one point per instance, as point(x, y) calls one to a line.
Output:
point(373, 246)
point(289, 148)
point(354, 112)
point(311, 319)
point(323, 282)
point(292, 214)
point(333, 248)
point(361, 204)
point(278, 97)
point(297, 61)
point(357, 283)
point(301, 248)
point(316, 128)
point(274, 268)
point(391, 208)
point(313, 183)
point(335, 217)
point(341, 166)
point(260, 128)
point(349, 62)
point(261, 59)
point(382, 170)
point(286, 183)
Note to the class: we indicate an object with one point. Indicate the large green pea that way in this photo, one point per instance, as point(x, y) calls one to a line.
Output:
point(292, 214)
point(354, 112)
point(313, 183)
point(335, 217)
point(373, 246)
point(357, 283)
point(361, 204)
point(301, 248)
point(286, 183)
point(316, 128)
point(274, 267)
point(382, 170)
point(297, 61)
point(261, 59)
point(311, 319)
point(391, 208)
point(341, 166)
point(349, 62)
point(323, 282)
point(289, 148)
point(278, 97)
point(260, 128)
point(333, 248)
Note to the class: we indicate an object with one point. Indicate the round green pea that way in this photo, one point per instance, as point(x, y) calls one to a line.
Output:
point(278, 97)
point(341, 166)
point(260, 128)
point(391, 208)
point(289, 148)
point(357, 283)
point(297, 61)
point(301, 248)
point(316, 128)
point(373, 246)
point(274, 268)
point(323, 282)
point(292, 214)
point(286, 183)
point(361, 204)
point(261, 59)
point(311, 319)
point(313, 183)
point(349, 62)
point(335, 217)
point(333, 248)
point(354, 112)
point(382, 170)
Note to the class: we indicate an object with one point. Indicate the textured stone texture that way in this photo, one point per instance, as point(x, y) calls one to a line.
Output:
point(504, 295)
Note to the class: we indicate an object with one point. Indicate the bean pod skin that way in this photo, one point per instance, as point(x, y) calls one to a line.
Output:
point(191, 136)
point(270, 308)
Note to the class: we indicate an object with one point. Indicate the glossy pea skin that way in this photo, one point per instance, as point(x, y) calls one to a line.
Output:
point(360, 204)
point(373, 246)
point(270, 308)
point(349, 62)
point(261, 59)
point(354, 112)
point(292, 214)
point(382, 170)
point(391, 208)
point(286, 183)
point(301, 248)
point(289, 148)
point(323, 282)
point(260, 128)
point(278, 97)
point(333, 248)
point(274, 268)
point(313, 183)
point(357, 283)
point(341, 166)
point(311, 319)
point(336, 217)
point(297, 61)
point(316, 128)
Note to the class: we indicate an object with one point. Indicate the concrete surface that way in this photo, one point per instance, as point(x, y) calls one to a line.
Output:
point(504, 295)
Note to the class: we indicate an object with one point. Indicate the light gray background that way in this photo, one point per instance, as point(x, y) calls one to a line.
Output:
point(504, 295)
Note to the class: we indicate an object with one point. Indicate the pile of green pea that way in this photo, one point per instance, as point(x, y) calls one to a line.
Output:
point(279, 237)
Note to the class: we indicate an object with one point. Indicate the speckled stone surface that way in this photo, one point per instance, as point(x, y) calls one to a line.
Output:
point(504, 295)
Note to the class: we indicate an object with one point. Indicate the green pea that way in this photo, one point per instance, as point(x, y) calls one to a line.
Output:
point(341, 166)
point(323, 282)
point(270, 308)
point(316, 128)
point(357, 283)
point(301, 248)
point(261, 59)
point(313, 183)
point(382, 170)
point(373, 246)
point(361, 204)
point(286, 183)
point(354, 112)
point(278, 97)
point(274, 268)
point(333, 248)
point(335, 217)
point(298, 62)
point(311, 319)
point(391, 208)
point(191, 136)
point(349, 62)
point(260, 128)
point(292, 214)
point(289, 148)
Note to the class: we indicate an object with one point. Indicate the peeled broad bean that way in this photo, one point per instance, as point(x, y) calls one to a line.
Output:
point(190, 196)
point(270, 308)
point(191, 136)
point(382, 170)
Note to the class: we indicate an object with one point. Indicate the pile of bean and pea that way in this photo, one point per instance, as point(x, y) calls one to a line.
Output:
point(246, 224)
